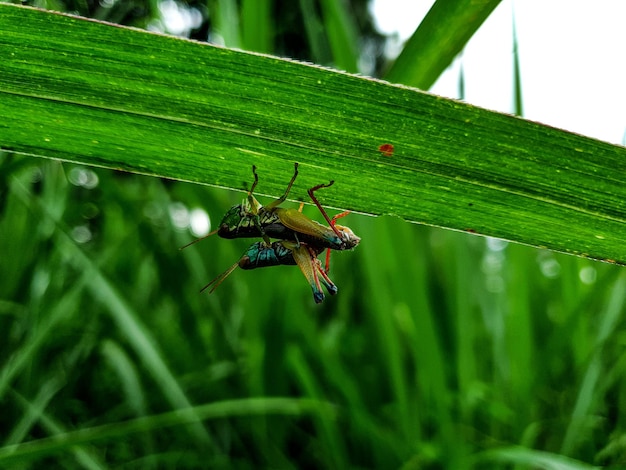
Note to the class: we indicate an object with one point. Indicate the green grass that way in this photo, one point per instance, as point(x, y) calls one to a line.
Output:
point(441, 349)
point(435, 348)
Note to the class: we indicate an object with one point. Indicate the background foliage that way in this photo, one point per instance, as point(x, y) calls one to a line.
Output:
point(441, 350)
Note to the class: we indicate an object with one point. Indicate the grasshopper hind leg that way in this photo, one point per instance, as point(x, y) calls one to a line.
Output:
point(311, 267)
point(282, 199)
point(330, 286)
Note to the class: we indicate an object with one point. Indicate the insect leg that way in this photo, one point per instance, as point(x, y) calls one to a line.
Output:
point(321, 209)
point(282, 199)
point(332, 224)
point(256, 208)
point(327, 263)
point(256, 181)
point(330, 286)
point(304, 260)
point(338, 216)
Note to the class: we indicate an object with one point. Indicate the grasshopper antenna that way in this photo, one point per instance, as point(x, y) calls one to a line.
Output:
point(198, 239)
point(219, 279)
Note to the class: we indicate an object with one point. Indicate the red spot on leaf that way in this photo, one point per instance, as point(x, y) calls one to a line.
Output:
point(386, 150)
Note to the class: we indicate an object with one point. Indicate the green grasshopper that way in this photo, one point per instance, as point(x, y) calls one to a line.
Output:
point(251, 219)
point(260, 255)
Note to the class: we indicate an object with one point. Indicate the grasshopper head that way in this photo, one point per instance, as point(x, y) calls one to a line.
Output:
point(349, 239)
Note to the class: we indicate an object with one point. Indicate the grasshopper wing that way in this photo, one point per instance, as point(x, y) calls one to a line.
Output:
point(305, 261)
point(313, 231)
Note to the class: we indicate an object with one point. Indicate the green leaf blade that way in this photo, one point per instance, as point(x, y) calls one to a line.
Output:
point(173, 108)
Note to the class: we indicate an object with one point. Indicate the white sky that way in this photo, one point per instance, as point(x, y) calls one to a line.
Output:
point(573, 70)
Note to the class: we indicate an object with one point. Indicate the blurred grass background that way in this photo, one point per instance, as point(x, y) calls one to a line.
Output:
point(441, 350)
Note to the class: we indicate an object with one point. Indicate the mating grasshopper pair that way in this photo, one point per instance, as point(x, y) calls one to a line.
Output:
point(301, 239)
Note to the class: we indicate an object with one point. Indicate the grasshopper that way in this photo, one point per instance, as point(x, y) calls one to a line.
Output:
point(251, 219)
point(301, 239)
point(260, 255)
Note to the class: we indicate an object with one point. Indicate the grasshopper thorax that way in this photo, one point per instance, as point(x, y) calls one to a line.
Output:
point(233, 220)
point(242, 221)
